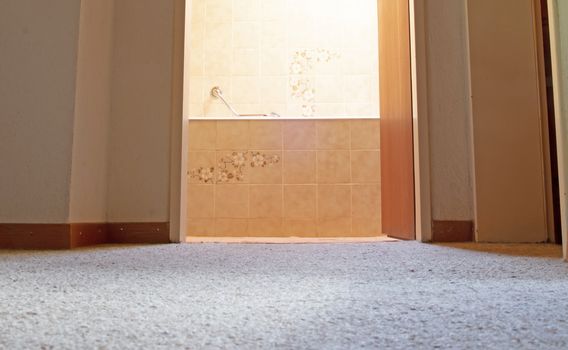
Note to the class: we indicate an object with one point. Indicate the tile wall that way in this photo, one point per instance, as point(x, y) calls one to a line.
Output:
point(292, 57)
point(305, 178)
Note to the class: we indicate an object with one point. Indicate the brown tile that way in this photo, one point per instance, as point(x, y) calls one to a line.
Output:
point(233, 167)
point(201, 167)
point(231, 227)
point(366, 201)
point(267, 167)
point(299, 228)
point(366, 166)
point(299, 167)
point(299, 201)
point(334, 201)
point(333, 134)
point(202, 135)
point(333, 167)
point(200, 201)
point(232, 134)
point(201, 227)
point(265, 227)
point(232, 201)
point(265, 134)
point(365, 134)
point(265, 201)
point(366, 227)
point(340, 227)
point(299, 134)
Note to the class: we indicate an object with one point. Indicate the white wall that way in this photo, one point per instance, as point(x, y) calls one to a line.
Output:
point(92, 113)
point(38, 46)
point(449, 110)
point(139, 148)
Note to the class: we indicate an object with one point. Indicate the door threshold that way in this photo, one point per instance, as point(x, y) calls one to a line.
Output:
point(289, 240)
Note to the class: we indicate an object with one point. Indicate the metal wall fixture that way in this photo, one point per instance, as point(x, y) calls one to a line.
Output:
point(218, 93)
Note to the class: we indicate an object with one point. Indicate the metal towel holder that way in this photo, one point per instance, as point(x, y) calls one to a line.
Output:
point(218, 93)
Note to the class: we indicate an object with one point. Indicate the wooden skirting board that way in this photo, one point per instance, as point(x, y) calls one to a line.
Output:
point(69, 236)
point(452, 231)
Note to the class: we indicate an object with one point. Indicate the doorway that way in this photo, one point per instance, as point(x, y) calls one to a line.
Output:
point(342, 190)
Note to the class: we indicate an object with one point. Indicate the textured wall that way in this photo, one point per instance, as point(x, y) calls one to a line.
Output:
point(92, 113)
point(284, 178)
point(449, 110)
point(139, 157)
point(38, 45)
point(293, 57)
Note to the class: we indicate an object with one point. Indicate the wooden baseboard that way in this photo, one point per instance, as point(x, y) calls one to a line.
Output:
point(69, 236)
point(452, 231)
point(147, 233)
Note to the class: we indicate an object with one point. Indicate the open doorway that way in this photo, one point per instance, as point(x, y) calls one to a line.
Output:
point(283, 119)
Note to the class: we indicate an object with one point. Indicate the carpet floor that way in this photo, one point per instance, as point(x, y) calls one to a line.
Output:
point(401, 295)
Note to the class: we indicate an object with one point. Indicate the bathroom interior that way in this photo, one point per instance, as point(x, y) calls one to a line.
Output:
point(283, 119)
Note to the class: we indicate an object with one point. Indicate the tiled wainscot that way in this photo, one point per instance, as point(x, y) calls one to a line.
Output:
point(305, 178)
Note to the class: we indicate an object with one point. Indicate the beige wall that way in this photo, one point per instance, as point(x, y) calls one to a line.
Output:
point(449, 110)
point(92, 113)
point(38, 45)
point(139, 149)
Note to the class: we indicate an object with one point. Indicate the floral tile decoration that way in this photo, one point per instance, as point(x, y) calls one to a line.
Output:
point(303, 62)
point(231, 167)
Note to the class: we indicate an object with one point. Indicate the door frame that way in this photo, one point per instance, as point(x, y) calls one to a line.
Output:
point(179, 126)
point(561, 141)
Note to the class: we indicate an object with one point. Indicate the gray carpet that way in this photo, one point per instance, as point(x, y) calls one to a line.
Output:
point(342, 296)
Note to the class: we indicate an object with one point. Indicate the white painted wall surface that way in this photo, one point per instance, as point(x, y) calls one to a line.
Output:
point(139, 148)
point(88, 198)
point(449, 110)
point(38, 52)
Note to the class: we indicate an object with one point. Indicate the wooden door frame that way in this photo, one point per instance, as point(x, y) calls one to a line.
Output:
point(561, 141)
point(179, 135)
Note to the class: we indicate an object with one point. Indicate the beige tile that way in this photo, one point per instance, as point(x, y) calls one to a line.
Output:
point(366, 227)
point(299, 167)
point(201, 201)
point(333, 134)
point(246, 34)
point(245, 62)
point(232, 201)
point(334, 201)
point(231, 227)
point(246, 89)
point(299, 227)
point(333, 167)
point(265, 167)
point(202, 135)
point(219, 9)
point(217, 62)
point(233, 167)
point(334, 227)
point(265, 134)
point(232, 134)
point(366, 166)
point(366, 201)
point(265, 201)
point(201, 227)
point(246, 10)
point(299, 201)
point(201, 165)
point(299, 134)
point(365, 134)
point(271, 227)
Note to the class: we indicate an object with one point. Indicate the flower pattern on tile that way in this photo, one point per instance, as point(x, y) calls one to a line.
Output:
point(202, 174)
point(261, 160)
point(302, 87)
point(231, 167)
